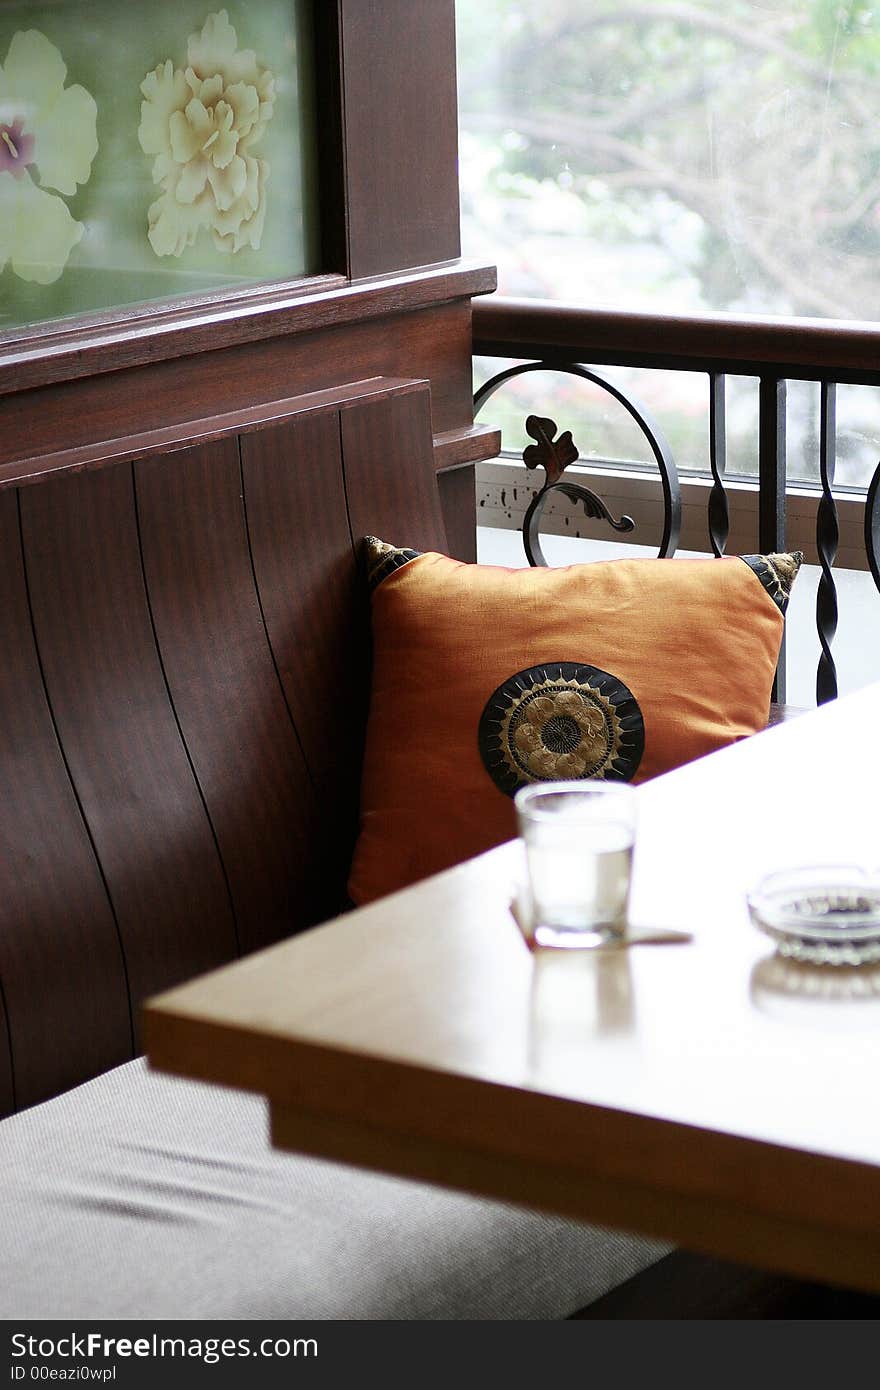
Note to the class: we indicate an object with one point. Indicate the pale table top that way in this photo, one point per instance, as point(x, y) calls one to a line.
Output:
point(708, 1092)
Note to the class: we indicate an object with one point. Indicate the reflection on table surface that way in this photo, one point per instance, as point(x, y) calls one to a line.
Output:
point(576, 998)
point(838, 997)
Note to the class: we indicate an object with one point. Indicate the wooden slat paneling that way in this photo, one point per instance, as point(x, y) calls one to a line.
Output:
point(225, 687)
point(7, 1093)
point(118, 729)
point(316, 612)
point(58, 938)
point(390, 481)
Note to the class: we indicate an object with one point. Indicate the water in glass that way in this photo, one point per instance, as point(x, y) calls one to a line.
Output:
point(578, 842)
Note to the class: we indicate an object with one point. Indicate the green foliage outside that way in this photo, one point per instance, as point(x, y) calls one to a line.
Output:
point(679, 156)
point(743, 139)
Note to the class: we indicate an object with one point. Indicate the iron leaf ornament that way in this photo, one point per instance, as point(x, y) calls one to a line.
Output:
point(551, 454)
point(554, 456)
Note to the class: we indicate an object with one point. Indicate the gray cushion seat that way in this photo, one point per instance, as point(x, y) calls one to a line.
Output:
point(142, 1196)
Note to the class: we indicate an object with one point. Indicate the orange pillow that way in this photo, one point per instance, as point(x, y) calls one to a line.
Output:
point(487, 678)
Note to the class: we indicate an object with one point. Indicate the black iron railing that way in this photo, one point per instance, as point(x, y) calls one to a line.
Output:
point(556, 337)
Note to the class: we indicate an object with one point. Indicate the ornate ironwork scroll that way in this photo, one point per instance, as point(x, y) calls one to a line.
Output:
point(827, 538)
point(555, 455)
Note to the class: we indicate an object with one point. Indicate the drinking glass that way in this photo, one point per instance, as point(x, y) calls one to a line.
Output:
point(578, 839)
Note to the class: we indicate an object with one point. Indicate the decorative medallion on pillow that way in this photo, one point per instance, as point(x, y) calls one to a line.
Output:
point(560, 721)
point(485, 679)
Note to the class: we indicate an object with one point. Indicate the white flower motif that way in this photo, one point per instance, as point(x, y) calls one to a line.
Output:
point(47, 138)
point(201, 124)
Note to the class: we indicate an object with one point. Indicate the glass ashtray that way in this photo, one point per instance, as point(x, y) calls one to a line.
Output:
point(827, 915)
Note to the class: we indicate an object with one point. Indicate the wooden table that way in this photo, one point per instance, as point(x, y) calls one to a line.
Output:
point(708, 1092)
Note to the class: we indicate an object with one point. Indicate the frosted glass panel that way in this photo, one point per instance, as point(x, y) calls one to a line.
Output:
point(152, 150)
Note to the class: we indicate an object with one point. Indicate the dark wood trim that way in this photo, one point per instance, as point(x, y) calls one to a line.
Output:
point(329, 122)
point(188, 433)
point(82, 326)
point(454, 448)
point(155, 395)
point(147, 338)
point(400, 133)
point(810, 349)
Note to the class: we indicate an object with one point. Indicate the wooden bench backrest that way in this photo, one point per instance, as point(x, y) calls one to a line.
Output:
point(183, 688)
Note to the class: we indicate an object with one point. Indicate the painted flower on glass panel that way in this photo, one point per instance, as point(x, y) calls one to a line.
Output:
point(201, 123)
point(48, 140)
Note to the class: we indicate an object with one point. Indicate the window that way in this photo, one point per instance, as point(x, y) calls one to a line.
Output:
point(682, 157)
